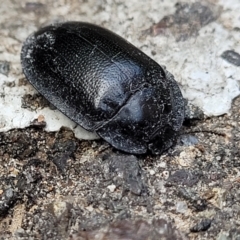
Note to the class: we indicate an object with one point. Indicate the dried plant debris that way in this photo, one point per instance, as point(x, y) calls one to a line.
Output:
point(232, 57)
point(38, 122)
point(187, 20)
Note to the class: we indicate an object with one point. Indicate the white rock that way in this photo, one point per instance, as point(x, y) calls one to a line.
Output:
point(111, 187)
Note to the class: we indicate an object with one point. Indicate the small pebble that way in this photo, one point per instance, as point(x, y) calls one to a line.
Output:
point(181, 207)
point(203, 225)
point(111, 187)
point(232, 57)
point(152, 172)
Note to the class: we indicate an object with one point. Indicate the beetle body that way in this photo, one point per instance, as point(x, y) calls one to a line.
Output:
point(106, 85)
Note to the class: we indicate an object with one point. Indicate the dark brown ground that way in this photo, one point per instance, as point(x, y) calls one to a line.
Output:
point(54, 186)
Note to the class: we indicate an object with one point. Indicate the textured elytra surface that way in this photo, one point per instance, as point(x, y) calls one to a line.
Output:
point(106, 85)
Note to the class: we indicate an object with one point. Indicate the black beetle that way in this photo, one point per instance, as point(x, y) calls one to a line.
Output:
point(106, 85)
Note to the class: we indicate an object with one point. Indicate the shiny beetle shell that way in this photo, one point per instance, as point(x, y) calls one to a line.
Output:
point(106, 85)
